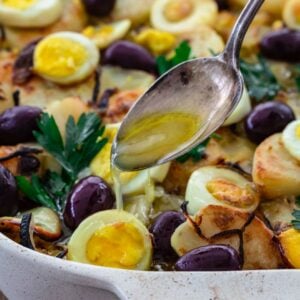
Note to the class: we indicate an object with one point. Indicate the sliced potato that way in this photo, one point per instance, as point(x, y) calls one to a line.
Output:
point(220, 186)
point(122, 79)
point(279, 212)
point(204, 41)
point(260, 252)
point(61, 110)
point(275, 172)
point(178, 16)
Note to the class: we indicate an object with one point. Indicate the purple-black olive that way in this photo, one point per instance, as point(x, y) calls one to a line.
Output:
point(28, 165)
point(266, 119)
point(99, 8)
point(90, 195)
point(162, 229)
point(8, 193)
point(210, 258)
point(282, 45)
point(17, 124)
point(222, 4)
point(22, 70)
point(129, 56)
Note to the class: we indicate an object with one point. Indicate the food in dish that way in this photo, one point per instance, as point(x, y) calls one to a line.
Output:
point(66, 83)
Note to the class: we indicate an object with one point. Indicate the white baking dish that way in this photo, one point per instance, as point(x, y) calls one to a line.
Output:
point(26, 274)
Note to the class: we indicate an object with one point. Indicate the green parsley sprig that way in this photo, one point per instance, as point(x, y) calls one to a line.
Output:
point(182, 54)
point(83, 140)
point(259, 79)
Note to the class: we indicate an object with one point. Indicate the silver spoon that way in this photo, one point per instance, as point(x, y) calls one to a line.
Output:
point(209, 87)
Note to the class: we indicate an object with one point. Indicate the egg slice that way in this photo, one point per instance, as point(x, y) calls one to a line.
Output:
point(220, 186)
point(106, 34)
point(30, 13)
point(291, 14)
point(241, 111)
point(112, 238)
point(65, 57)
point(133, 183)
point(177, 16)
point(291, 139)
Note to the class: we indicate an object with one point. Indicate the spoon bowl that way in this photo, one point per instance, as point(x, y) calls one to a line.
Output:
point(209, 88)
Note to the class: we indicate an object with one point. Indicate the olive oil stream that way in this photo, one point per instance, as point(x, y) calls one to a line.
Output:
point(148, 140)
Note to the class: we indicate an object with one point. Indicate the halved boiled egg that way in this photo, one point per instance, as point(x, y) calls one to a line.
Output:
point(241, 111)
point(30, 13)
point(291, 14)
point(106, 34)
point(65, 57)
point(133, 183)
point(291, 139)
point(112, 238)
point(220, 186)
point(179, 16)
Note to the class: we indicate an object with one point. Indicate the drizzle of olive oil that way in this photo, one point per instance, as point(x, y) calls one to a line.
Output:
point(148, 140)
point(151, 138)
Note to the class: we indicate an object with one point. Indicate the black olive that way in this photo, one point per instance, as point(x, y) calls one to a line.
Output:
point(99, 8)
point(22, 69)
point(17, 124)
point(8, 193)
point(28, 165)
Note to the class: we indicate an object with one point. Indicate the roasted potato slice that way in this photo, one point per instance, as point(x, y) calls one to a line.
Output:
point(275, 172)
point(260, 251)
point(278, 212)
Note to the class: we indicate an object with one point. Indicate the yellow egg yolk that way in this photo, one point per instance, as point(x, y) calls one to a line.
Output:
point(290, 241)
point(156, 41)
point(102, 32)
point(177, 10)
point(19, 4)
point(231, 194)
point(101, 165)
point(119, 245)
point(297, 132)
point(59, 57)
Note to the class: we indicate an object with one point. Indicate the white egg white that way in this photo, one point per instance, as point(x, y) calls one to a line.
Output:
point(106, 34)
point(40, 14)
point(89, 66)
point(241, 111)
point(199, 197)
point(290, 139)
point(81, 236)
point(204, 13)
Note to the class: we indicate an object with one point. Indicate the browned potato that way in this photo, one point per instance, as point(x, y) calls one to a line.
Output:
point(275, 172)
point(119, 104)
point(260, 251)
point(279, 212)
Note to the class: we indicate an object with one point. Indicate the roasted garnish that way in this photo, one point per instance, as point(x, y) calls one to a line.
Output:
point(296, 214)
point(82, 142)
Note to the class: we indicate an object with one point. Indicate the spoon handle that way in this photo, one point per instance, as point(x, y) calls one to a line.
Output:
point(232, 50)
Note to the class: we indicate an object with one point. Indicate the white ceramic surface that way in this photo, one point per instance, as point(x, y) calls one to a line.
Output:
point(25, 274)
